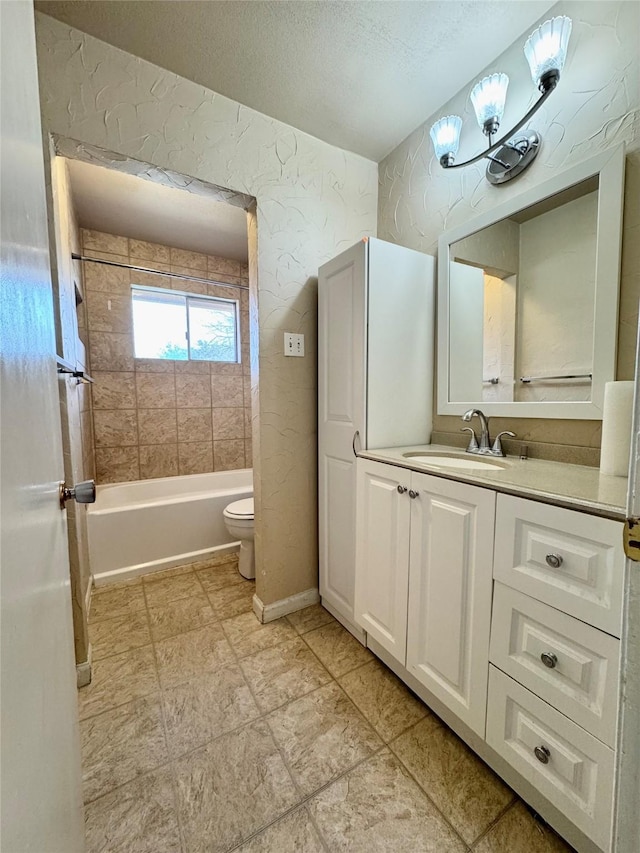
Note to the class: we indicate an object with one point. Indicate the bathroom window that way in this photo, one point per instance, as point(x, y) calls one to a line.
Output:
point(181, 326)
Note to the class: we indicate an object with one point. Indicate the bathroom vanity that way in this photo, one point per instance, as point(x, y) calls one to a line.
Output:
point(495, 592)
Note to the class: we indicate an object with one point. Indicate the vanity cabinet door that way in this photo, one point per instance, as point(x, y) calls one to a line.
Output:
point(382, 554)
point(450, 593)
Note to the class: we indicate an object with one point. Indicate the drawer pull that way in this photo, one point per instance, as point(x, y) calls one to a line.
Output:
point(542, 754)
point(549, 659)
point(413, 494)
point(402, 490)
point(554, 560)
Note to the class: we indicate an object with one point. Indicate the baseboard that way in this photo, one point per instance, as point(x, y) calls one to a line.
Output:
point(83, 670)
point(270, 612)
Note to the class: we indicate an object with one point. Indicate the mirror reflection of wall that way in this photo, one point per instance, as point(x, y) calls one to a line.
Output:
point(522, 304)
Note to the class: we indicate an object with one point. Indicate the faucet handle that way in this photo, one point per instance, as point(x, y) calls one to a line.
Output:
point(497, 450)
point(473, 441)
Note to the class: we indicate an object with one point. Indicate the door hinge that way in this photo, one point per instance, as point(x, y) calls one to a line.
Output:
point(631, 538)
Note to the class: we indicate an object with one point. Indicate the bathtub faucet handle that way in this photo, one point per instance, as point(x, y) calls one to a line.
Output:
point(82, 493)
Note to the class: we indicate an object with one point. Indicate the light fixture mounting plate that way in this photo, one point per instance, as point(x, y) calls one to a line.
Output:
point(516, 156)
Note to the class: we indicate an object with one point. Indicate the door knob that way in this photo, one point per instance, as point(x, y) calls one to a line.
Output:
point(82, 493)
point(401, 489)
point(413, 494)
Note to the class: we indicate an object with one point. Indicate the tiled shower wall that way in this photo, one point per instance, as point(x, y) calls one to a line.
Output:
point(154, 417)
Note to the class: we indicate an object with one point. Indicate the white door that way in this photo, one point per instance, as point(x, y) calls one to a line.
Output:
point(450, 581)
point(40, 761)
point(626, 827)
point(341, 413)
point(382, 554)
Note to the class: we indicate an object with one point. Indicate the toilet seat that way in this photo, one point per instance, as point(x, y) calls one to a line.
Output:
point(240, 509)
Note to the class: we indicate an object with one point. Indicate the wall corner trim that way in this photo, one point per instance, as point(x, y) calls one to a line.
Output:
point(270, 612)
point(83, 670)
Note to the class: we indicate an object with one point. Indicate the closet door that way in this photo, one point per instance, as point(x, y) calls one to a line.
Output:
point(450, 580)
point(341, 413)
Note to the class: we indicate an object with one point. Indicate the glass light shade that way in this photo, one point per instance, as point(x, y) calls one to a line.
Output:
point(445, 135)
point(488, 98)
point(546, 47)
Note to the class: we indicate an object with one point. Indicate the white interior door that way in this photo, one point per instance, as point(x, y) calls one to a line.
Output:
point(40, 762)
point(341, 412)
point(626, 827)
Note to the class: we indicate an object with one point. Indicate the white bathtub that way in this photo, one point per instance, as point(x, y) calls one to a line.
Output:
point(150, 525)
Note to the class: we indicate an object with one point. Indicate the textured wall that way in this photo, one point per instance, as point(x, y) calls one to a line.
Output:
point(595, 107)
point(157, 417)
point(312, 201)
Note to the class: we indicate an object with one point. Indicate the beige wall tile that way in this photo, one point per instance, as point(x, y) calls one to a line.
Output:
point(247, 422)
point(228, 423)
point(157, 426)
point(222, 292)
point(194, 425)
point(184, 258)
point(226, 392)
point(248, 453)
point(117, 464)
point(105, 242)
point(225, 368)
point(110, 351)
point(148, 251)
point(154, 365)
point(109, 312)
point(199, 287)
point(228, 455)
point(115, 428)
point(193, 391)
point(195, 457)
point(100, 277)
point(200, 367)
point(150, 279)
point(228, 266)
point(158, 460)
point(156, 391)
point(113, 390)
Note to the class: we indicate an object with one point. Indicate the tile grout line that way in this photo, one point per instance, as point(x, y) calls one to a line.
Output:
point(495, 821)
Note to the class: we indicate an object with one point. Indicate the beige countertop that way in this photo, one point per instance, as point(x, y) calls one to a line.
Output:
point(573, 486)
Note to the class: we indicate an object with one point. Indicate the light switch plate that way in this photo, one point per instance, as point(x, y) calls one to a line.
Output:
point(293, 344)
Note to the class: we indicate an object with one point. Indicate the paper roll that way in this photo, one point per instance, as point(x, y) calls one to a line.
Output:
point(616, 428)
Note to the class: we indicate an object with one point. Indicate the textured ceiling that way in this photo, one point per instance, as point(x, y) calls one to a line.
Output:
point(111, 201)
point(360, 74)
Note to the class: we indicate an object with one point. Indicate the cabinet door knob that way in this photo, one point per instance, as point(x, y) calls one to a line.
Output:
point(549, 659)
point(402, 490)
point(554, 560)
point(542, 754)
point(413, 494)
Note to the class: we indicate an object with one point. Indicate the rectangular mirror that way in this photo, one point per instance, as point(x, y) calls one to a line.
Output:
point(528, 299)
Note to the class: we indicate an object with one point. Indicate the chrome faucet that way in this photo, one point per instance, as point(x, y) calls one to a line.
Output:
point(485, 447)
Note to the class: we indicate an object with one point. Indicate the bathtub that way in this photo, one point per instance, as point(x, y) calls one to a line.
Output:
point(150, 525)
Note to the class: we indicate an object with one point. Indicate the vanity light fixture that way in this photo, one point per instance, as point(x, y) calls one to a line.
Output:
point(546, 51)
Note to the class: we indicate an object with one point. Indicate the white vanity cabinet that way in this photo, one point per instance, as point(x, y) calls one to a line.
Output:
point(424, 559)
point(504, 614)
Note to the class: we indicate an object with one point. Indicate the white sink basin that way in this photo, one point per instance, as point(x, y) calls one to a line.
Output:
point(462, 463)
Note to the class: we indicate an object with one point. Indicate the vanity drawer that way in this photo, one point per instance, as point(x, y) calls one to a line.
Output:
point(566, 764)
point(571, 665)
point(570, 560)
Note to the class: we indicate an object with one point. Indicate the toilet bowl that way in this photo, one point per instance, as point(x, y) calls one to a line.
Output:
point(238, 519)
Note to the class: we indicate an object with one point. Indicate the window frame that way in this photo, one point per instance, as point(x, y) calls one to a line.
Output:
point(193, 297)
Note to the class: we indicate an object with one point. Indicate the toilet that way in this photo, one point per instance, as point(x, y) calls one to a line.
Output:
point(238, 519)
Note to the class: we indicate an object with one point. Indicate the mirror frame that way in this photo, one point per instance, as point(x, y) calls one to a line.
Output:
point(609, 167)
